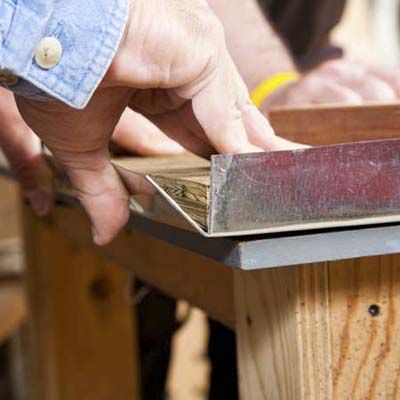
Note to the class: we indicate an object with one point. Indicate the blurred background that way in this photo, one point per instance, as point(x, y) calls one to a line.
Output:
point(369, 30)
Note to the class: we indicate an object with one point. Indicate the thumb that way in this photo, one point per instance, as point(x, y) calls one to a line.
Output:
point(99, 189)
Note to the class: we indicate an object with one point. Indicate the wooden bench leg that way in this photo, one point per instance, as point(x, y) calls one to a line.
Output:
point(82, 339)
point(320, 332)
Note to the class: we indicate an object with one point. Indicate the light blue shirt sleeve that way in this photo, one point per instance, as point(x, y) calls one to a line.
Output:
point(89, 32)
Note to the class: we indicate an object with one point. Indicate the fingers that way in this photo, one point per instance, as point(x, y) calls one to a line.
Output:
point(315, 89)
point(175, 119)
point(182, 130)
point(228, 117)
point(30, 168)
point(335, 93)
point(99, 189)
point(376, 90)
point(79, 142)
point(259, 131)
point(389, 75)
point(366, 82)
point(137, 134)
point(358, 71)
point(185, 54)
point(220, 118)
point(258, 137)
point(23, 151)
point(217, 111)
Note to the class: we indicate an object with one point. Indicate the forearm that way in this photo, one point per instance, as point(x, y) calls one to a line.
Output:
point(256, 48)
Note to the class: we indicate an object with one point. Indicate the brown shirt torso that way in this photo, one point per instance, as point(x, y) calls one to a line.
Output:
point(304, 24)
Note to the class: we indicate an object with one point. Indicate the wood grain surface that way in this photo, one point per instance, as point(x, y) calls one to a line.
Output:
point(9, 218)
point(324, 125)
point(185, 179)
point(177, 272)
point(82, 334)
point(320, 332)
point(192, 196)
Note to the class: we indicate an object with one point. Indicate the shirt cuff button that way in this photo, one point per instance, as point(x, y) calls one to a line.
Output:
point(48, 53)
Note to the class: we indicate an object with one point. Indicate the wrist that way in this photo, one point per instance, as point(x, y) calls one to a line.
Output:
point(37, 32)
point(256, 68)
point(273, 87)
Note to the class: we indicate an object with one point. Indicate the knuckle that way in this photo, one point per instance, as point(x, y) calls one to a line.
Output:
point(216, 28)
point(209, 26)
point(348, 97)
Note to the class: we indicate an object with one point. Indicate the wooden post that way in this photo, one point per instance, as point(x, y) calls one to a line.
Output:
point(326, 331)
point(81, 330)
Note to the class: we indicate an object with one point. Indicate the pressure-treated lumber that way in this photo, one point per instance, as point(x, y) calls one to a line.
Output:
point(324, 125)
point(82, 335)
point(320, 332)
point(186, 179)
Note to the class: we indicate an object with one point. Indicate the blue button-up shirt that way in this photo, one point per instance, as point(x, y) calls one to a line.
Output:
point(89, 32)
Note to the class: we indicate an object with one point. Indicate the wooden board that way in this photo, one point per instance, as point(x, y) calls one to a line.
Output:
point(320, 332)
point(186, 179)
point(324, 125)
point(9, 227)
point(82, 334)
point(177, 272)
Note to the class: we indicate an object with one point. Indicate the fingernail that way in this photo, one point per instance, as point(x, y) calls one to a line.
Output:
point(41, 202)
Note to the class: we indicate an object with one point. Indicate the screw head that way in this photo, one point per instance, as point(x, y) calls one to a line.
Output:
point(374, 310)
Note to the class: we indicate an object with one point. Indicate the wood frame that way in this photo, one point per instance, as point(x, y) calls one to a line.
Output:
point(82, 336)
point(304, 333)
point(320, 332)
point(323, 331)
point(196, 279)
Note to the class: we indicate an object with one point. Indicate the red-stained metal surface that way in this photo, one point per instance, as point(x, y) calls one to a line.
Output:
point(332, 183)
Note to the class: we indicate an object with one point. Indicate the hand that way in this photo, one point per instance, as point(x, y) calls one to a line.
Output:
point(173, 68)
point(341, 82)
point(189, 85)
point(23, 150)
point(135, 134)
